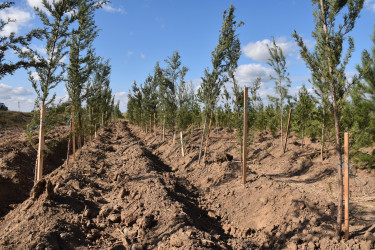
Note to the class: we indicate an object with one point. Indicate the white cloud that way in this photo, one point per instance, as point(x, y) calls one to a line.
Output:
point(6, 90)
point(130, 53)
point(109, 8)
point(123, 98)
point(370, 4)
point(11, 96)
point(258, 50)
point(143, 56)
point(248, 73)
point(19, 18)
point(18, 103)
point(35, 76)
point(38, 4)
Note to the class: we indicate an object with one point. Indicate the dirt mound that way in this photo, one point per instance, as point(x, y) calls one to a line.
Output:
point(287, 202)
point(131, 190)
point(17, 164)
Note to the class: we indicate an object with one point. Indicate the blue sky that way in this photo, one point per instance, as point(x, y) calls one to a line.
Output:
point(137, 33)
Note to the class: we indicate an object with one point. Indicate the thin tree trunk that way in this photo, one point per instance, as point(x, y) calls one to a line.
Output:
point(339, 161)
point(281, 122)
point(337, 130)
point(303, 137)
point(73, 136)
point(323, 139)
point(208, 137)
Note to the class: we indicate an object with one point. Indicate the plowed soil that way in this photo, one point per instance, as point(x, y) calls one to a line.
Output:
point(129, 189)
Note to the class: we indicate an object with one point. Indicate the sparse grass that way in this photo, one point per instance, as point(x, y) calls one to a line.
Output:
point(14, 119)
point(330, 187)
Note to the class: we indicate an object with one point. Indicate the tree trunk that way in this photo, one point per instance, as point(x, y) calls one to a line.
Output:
point(337, 128)
point(339, 161)
point(208, 137)
point(303, 137)
point(73, 136)
point(323, 139)
point(281, 121)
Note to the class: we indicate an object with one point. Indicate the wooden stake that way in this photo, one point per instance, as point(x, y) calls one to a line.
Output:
point(68, 150)
point(155, 123)
point(202, 139)
point(102, 119)
point(95, 131)
point(182, 145)
point(73, 136)
point(174, 137)
point(164, 130)
point(41, 143)
point(287, 130)
point(150, 123)
point(90, 124)
point(346, 183)
point(244, 137)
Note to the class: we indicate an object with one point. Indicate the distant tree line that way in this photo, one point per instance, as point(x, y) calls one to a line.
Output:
point(177, 105)
point(68, 33)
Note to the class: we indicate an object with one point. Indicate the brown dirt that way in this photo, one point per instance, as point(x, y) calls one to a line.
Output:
point(17, 163)
point(130, 190)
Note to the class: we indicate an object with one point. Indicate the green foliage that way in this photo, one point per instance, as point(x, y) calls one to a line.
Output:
point(98, 92)
point(282, 81)
point(56, 23)
point(303, 112)
point(14, 43)
point(367, 71)
point(364, 160)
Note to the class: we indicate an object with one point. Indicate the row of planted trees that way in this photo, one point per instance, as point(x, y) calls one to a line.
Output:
point(334, 103)
point(67, 34)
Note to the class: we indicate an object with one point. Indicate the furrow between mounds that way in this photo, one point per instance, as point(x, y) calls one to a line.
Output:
point(117, 195)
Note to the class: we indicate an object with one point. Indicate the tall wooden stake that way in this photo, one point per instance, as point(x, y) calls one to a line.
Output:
point(244, 155)
point(90, 124)
point(346, 182)
point(102, 119)
point(41, 143)
point(164, 130)
point(73, 137)
point(155, 123)
point(174, 137)
point(202, 139)
point(182, 145)
point(287, 130)
point(68, 150)
point(150, 123)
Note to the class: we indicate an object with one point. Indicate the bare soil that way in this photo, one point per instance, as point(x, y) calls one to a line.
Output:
point(130, 190)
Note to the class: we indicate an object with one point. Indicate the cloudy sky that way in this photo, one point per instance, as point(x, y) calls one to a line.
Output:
point(137, 33)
